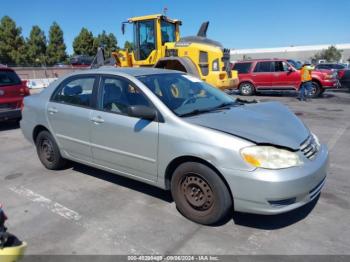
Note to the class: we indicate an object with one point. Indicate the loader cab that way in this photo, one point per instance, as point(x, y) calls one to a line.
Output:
point(151, 33)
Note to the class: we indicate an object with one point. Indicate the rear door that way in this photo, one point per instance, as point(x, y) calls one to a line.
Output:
point(262, 75)
point(69, 113)
point(283, 78)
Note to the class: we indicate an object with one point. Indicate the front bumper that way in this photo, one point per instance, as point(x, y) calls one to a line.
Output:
point(331, 84)
point(10, 114)
point(264, 191)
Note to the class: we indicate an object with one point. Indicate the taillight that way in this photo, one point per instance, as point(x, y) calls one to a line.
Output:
point(341, 73)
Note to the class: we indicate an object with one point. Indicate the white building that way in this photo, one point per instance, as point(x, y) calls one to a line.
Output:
point(301, 53)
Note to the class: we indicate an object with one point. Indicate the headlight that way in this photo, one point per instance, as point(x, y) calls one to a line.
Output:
point(270, 157)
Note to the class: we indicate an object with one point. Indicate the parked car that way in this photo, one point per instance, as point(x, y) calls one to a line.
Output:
point(342, 70)
point(12, 92)
point(176, 132)
point(345, 79)
point(81, 61)
point(279, 75)
point(330, 66)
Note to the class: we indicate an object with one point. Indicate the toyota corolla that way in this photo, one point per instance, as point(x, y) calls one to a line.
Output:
point(171, 130)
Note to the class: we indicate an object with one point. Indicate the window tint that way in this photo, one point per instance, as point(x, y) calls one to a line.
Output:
point(118, 94)
point(242, 68)
point(323, 67)
point(281, 66)
point(9, 78)
point(168, 32)
point(263, 67)
point(76, 92)
point(338, 67)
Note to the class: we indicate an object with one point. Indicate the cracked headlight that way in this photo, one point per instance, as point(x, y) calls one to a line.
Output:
point(270, 157)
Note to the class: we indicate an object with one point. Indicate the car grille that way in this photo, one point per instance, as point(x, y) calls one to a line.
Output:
point(309, 147)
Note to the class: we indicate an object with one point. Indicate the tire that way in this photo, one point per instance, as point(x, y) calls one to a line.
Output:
point(48, 151)
point(317, 90)
point(246, 89)
point(200, 194)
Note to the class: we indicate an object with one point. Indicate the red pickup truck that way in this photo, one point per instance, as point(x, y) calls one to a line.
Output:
point(12, 92)
point(280, 75)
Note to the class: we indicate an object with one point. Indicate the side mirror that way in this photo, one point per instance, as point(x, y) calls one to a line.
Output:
point(143, 112)
point(290, 69)
point(123, 28)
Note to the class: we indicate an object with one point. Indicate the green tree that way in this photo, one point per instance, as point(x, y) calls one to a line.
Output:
point(36, 47)
point(83, 44)
point(56, 49)
point(12, 44)
point(331, 54)
point(128, 45)
point(109, 42)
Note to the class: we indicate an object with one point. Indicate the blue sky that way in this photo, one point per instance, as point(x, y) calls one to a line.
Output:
point(235, 23)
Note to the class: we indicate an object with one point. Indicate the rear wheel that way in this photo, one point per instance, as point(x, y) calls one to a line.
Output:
point(48, 151)
point(316, 90)
point(200, 194)
point(246, 89)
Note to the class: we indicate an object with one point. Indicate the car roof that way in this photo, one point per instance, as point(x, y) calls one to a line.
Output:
point(261, 60)
point(4, 67)
point(130, 71)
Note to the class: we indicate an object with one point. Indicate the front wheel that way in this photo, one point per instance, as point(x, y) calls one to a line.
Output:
point(48, 151)
point(317, 90)
point(246, 89)
point(200, 194)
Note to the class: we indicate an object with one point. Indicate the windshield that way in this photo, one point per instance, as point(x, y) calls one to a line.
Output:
point(296, 64)
point(185, 94)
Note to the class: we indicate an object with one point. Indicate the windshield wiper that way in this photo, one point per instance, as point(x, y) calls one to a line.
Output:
point(213, 109)
point(195, 112)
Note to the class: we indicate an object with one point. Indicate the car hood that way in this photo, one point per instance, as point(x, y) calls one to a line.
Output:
point(262, 123)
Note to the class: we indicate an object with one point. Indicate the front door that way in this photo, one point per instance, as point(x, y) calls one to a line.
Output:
point(119, 142)
point(69, 116)
point(283, 78)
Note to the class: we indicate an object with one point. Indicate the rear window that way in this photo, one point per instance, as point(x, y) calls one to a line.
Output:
point(242, 68)
point(8, 78)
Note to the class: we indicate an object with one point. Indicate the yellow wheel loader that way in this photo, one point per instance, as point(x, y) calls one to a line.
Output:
point(157, 43)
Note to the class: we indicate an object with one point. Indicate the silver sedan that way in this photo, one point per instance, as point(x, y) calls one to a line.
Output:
point(214, 152)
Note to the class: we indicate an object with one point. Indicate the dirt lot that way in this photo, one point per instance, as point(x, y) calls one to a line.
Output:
point(86, 211)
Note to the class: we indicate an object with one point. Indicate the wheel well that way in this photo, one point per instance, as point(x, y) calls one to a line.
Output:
point(183, 64)
point(244, 82)
point(183, 159)
point(171, 64)
point(37, 130)
point(317, 81)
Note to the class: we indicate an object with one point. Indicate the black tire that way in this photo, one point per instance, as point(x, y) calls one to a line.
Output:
point(246, 89)
point(200, 194)
point(317, 90)
point(48, 151)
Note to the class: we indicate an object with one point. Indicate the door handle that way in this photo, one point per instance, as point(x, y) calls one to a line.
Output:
point(52, 110)
point(97, 120)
